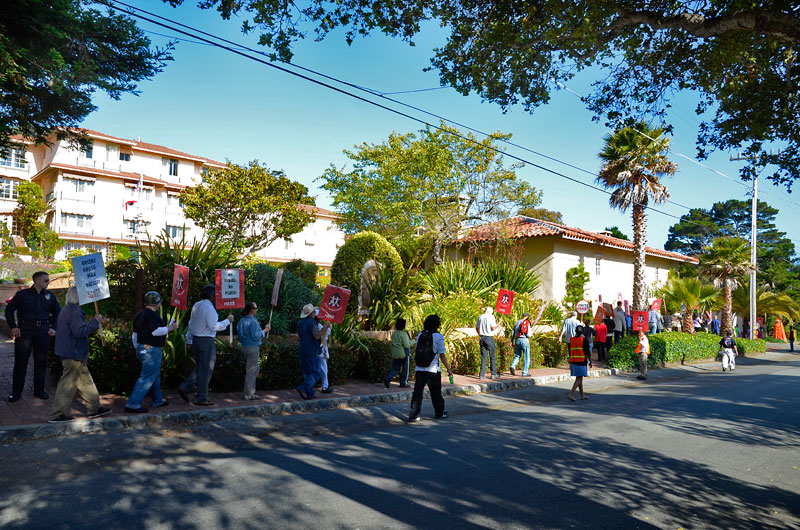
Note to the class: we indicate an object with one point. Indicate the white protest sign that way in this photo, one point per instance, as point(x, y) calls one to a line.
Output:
point(90, 278)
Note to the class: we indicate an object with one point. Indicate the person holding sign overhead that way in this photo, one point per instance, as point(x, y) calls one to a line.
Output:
point(202, 332)
point(149, 336)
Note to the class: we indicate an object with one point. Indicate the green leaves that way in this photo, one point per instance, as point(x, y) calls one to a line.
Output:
point(248, 207)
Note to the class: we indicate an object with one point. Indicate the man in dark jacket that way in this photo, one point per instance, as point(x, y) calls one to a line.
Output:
point(72, 345)
point(31, 315)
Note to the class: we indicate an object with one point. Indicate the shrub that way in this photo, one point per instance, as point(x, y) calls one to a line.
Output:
point(373, 363)
point(304, 270)
point(673, 347)
point(465, 354)
point(292, 296)
point(350, 259)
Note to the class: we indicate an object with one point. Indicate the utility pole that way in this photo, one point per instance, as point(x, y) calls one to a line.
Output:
point(753, 236)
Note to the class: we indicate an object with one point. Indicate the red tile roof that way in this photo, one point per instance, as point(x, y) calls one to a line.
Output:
point(320, 211)
point(520, 227)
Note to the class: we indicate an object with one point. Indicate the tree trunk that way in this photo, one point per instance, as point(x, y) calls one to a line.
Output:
point(438, 249)
point(639, 285)
point(726, 324)
point(688, 323)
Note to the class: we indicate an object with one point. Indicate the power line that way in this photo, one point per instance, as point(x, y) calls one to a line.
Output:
point(237, 49)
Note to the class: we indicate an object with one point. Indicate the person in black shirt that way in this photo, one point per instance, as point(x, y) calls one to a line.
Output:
point(729, 351)
point(149, 337)
point(32, 315)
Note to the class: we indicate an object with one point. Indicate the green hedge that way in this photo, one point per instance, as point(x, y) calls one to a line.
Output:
point(465, 354)
point(674, 346)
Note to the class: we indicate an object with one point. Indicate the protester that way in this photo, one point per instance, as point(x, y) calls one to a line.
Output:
point(251, 335)
point(601, 332)
point(568, 328)
point(31, 314)
point(588, 334)
point(791, 339)
point(201, 335)
point(579, 357)
point(652, 321)
point(401, 354)
point(486, 328)
point(619, 323)
point(611, 330)
point(746, 329)
point(715, 325)
point(72, 345)
point(309, 334)
point(698, 326)
point(660, 323)
point(324, 355)
point(149, 337)
point(522, 345)
point(729, 351)
point(643, 349)
point(430, 351)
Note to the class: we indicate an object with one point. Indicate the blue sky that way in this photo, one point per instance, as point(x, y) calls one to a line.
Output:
point(213, 103)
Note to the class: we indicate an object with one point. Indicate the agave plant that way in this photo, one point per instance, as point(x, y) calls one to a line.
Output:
point(511, 274)
point(389, 297)
point(453, 277)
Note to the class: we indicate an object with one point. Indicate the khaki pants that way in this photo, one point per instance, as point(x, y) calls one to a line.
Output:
point(76, 378)
point(251, 355)
point(643, 364)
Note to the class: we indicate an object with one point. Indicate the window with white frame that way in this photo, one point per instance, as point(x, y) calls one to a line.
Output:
point(174, 201)
point(8, 188)
point(133, 227)
point(170, 166)
point(88, 151)
point(13, 157)
point(78, 185)
point(598, 260)
point(72, 221)
point(145, 194)
point(174, 231)
point(112, 153)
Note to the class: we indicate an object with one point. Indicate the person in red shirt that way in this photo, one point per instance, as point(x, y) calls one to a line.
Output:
point(601, 330)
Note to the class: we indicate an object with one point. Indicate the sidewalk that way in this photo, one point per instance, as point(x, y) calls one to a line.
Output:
point(27, 418)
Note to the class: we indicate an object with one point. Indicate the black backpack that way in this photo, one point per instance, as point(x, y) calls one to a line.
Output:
point(423, 353)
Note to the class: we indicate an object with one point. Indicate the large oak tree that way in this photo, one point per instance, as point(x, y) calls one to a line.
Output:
point(740, 57)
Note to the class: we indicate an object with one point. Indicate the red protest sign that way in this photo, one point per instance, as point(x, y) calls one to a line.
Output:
point(333, 304)
point(180, 287)
point(276, 287)
point(656, 305)
point(599, 314)
point(505, 299)
point(760, 321)
point(230, 288)
point(639, 321)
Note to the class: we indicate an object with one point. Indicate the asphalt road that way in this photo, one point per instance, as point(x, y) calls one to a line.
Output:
point(701, 449)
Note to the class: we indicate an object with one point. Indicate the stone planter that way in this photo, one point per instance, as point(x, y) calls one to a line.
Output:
point(20, 281)
point(379, 335)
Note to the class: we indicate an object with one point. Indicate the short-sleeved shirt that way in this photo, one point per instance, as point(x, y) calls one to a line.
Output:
point(569, 327)
point(400, 342)
point(486, 324)
point(602, 331)
point(309, 346)
point(652, 317)
point(438, 349)
point(145, 323)
point(727, 342)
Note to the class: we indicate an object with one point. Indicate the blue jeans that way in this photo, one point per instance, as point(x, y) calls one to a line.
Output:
point(522, 347)
point(653, 329)
point(205, 357)
point(401, 366)
point(309, 365)
point(150, 377)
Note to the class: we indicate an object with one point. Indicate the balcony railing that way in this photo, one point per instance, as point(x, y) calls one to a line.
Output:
point(77, 230)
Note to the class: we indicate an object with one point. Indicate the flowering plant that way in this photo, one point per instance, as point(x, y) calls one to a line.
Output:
point(13, 267)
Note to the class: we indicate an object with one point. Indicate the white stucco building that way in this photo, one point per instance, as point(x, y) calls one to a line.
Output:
point(550, 249)
point(118, 190)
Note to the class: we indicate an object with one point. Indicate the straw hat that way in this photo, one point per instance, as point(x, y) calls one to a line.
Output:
point(307, 310)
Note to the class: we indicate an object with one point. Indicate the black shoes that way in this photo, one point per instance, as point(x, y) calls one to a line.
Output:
point(641, 377)
point(102, 411)
point(137, 410)
point(513, 371)
point(163, 404)
point(42, 395)
point(183, 394)
point(13, 398)
point(302, 393)
point(414, 419)
point(443, 416)
point(62, 418)
point(327, 390)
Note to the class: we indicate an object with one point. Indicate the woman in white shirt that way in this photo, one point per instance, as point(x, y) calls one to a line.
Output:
point(429, 350)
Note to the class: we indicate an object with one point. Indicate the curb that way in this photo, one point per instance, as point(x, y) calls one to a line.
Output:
point(140, 421)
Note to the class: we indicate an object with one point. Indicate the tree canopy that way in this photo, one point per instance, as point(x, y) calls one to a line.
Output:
point(544, 214)
point(54, 55)
point(248, 207)
point(616, 232)
point(774, 251)
point(28, 214)
point(436, 181)
point(739, 57)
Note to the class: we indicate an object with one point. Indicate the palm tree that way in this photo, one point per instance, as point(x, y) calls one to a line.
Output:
point(767, 303)
point(725, 260)
point(690, 293)
point(633, 164)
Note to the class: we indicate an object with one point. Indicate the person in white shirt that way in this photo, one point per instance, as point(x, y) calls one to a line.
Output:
point(324, 355)
point(486, 328)
point(201, 334)
point(430, 349)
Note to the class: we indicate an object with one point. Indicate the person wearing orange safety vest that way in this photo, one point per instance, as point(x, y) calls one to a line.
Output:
point(643, 349)
point(579, 358)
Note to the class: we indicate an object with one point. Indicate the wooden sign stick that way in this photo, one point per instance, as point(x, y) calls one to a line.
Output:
point(99, 325)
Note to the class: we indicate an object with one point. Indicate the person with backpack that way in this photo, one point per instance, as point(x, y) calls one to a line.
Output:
point(429, 353)
point(580, 356)
point(729, 351)
point(522, 344)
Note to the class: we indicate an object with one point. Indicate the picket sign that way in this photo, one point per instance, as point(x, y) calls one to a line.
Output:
point(505, 301)
point(230, 291)
point(91, 282)
point(334, 303)
point(274, 301)
point(639, 321)
point(180, 287)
